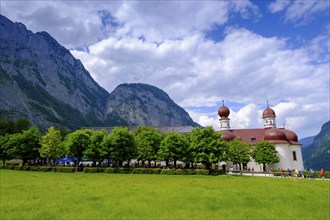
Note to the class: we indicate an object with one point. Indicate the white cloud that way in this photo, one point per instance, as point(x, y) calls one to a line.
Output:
point(82, 23)
point(300, 11)
point(163, 44)
point(244, 67)
point(158, 21)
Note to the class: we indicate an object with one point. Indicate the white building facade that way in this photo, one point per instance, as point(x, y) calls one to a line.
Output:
point(285, 141)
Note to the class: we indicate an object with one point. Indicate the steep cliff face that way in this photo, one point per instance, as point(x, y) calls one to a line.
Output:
point(42, 81)
point(317, 156)
point(141, 104)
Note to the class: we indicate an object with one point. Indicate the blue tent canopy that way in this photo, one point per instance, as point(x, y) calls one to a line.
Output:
point(66, 160)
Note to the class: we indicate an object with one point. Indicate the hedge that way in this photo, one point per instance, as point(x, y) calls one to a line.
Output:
point(138, 170)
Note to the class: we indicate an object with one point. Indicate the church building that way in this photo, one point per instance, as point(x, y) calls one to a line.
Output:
point(286, 141)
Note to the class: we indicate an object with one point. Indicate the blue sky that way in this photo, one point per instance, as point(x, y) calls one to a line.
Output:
point(199, 52)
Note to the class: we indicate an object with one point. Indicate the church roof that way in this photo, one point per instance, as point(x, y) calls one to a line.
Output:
point(255, 135)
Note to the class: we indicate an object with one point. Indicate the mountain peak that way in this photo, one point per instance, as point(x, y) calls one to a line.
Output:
point(145, 105)
point(42, 81)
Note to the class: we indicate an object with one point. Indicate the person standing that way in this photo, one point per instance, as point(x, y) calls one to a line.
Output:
point(302, 173)
point(322, 174)
point(289, 172)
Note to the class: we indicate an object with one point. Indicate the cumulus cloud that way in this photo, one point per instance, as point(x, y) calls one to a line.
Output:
point(243, 67)
point(82, 23)
point(164, 44)
point(300, 11)
point(161, 20)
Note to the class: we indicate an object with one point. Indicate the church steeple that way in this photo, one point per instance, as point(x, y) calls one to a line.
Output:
point(269, 116)
point(224, 112)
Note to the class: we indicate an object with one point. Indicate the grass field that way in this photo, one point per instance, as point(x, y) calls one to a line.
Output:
point(47, 195)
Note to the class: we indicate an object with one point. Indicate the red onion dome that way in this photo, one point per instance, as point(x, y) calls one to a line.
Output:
point(227, 135)
point(290, 135)
point(223, 111)
point(274, 134)
point(268, 112)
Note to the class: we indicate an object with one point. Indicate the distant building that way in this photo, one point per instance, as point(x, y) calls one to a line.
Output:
point(286, 141)
point(163, 129)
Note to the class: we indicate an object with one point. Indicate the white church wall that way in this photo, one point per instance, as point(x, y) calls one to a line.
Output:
point(287, 157)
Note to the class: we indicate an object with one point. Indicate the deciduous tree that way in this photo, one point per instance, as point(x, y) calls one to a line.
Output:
point(4, 154)
point(51, 145)
point(265, 153)
point(173, 147)
point(95, 150)
point(239, 152)
point(120, 146)
point(148, 142)
point(76, 143)
point(25, 145)
point(207, 148)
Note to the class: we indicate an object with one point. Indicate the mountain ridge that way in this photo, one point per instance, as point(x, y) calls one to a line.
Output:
point(317, 154)
point(42, 81)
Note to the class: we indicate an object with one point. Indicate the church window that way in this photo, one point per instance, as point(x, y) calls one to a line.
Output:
point(294, 155)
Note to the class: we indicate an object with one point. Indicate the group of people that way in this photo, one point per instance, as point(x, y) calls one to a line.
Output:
point(296, 174)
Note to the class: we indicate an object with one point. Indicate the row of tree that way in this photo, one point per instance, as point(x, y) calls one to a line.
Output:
point(202, 145)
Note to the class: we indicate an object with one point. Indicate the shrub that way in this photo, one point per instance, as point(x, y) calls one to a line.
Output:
point(27, 168)
point(93, 170)
point(122, 170)
point(46, 169)
point(109, 170)
point(4, 167)
point(167, 172)
point(12, 163)
point(64, 169)
point(182, 172)
point(155, 170)
point(202, 172)
point(18, 168)
point(34, 168)
point(138, 171)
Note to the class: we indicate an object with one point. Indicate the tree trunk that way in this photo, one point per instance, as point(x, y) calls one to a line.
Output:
point(77, 164)
point(174, 163)
point(149, 163)
point(264, 167)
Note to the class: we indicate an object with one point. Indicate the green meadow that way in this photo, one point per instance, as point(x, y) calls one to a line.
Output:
point(47, 195)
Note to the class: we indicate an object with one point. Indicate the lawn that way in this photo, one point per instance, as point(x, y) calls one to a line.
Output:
point(47, 195)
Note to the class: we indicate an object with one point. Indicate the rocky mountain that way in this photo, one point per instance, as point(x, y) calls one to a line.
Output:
point(42, 81)
point(306, 144)
point(141, 104)
point(317, 154)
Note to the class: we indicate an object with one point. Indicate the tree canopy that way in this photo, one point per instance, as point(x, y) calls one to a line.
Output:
point(239, 152)
point(265, 153)
point(148, 142)
point(120, 145)
point(173, 147)
point(25, 145)
point(51, 144)
point(76, 143)
point(95, 151)
point(207, 148)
